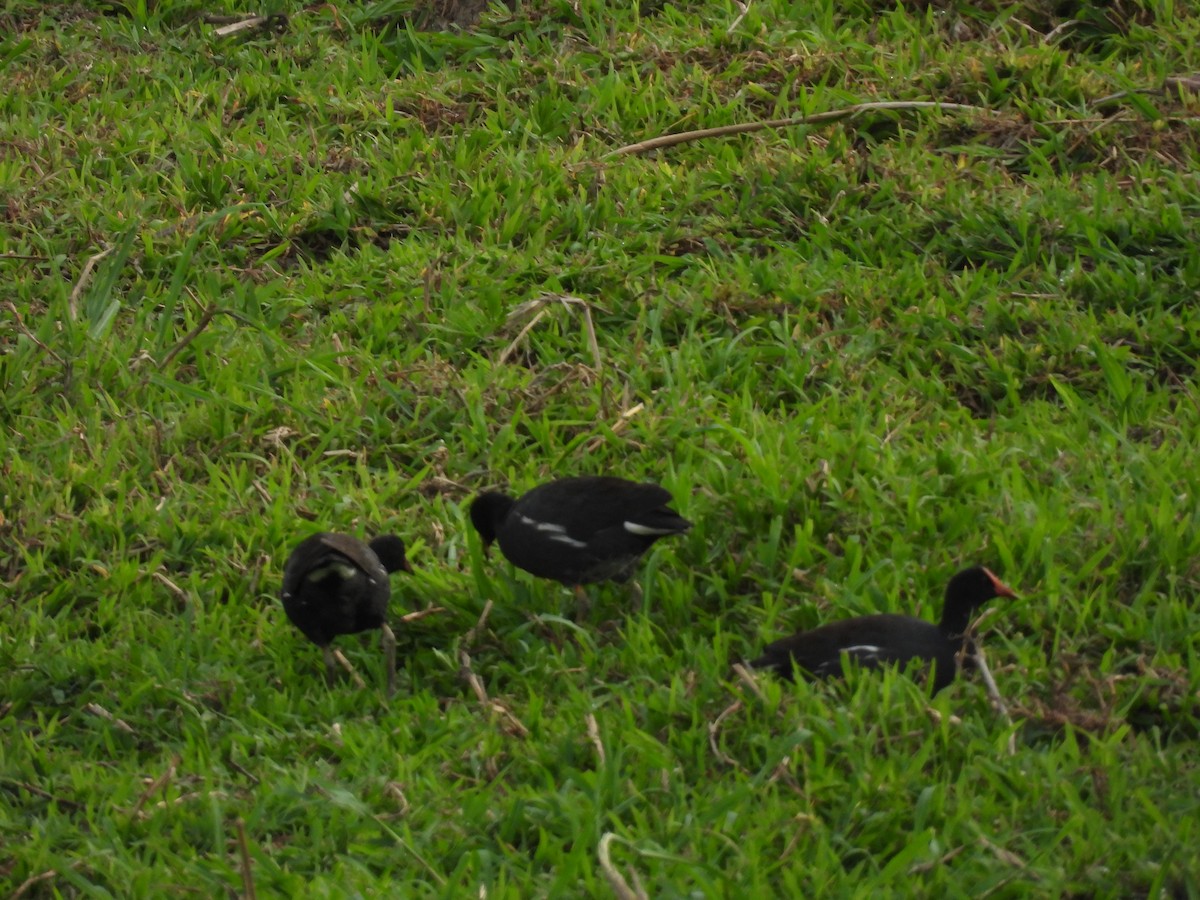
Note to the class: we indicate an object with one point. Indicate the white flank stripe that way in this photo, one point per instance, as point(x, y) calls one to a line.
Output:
point(866, 651)
point(646, 530)
point(551, 527)
point(552, 530)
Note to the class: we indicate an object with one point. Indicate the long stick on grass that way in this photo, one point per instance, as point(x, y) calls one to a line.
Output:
point(994, 696)
point(833, 115)
point(11, 307)
point(515, 726)
point(993, 692)
point(205, 318)
point(248, 891)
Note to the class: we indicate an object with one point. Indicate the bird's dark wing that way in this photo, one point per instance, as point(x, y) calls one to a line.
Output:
point(583, 506)
point(358, 553)
point(869, 641)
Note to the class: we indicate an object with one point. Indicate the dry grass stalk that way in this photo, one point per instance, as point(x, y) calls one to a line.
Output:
point(248, 892)
point(714, 728)
point(341, 660)
point(157, 784)
point(615, 879)
point(29, 334)
point(97, 710)
point(539, 307)
point(421, 614)
point(747, 678)
point(84, 277)
point(593, 731)
point(833, 115)
point(618, 426)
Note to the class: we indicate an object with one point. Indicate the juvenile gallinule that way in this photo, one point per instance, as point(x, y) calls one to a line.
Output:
point(578, 530)
point(335, 584)
point(887, 639)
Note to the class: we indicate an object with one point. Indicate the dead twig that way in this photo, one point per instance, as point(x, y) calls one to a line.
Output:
point(179, 593)
point(539, 307)
point(120, 724)
point(1183, 82)
point(30, 882)
point(472, 636)
point(40, 792)
point(833, 115)
point(397, 792)
point(341, 660)
point(1059, 28)
point(994, 696)
point(802, 820)
point(84, 277)
point(156, 785)
point(617, 426)
point(714, 728)
point(748, 679)
point(209, 313)
point(507, 351)
point(615, 879)
point(248, 892)
point(1174, 83)
point(743, 9)
point(971, 646)
point(515, 726)
point(277, 23)
point(473, 681)
point(930, 865)
point(1005, 856)
point(421, 614)
point(29, 334)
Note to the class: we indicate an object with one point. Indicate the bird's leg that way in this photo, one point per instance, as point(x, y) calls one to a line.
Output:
point(388, 640)
point(332, 655)
point(583, 603)
point(330, 667)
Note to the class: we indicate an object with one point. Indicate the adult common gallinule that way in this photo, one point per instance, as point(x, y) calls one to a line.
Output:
point(335, 584)
point(578, 530)
point(887, 639)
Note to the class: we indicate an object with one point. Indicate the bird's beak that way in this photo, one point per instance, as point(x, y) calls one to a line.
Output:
point(1002, 589)
point(407, 567)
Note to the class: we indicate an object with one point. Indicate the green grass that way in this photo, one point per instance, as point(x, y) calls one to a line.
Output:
point(862, 355)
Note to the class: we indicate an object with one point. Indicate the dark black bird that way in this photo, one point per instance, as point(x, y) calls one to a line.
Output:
point(887, 639)
point(578, 530)
point(335, 584)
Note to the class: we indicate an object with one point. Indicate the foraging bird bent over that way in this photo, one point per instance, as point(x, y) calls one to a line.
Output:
point(578, 530)
point(336, 584)
point(887, 639)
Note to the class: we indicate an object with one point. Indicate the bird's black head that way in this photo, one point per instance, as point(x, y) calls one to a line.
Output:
point(488, 511)
point(966, 592)
point(390, 550)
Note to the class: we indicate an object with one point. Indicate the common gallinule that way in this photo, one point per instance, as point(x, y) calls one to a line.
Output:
point(578, 530)
point(335, 584)
point(887, 639)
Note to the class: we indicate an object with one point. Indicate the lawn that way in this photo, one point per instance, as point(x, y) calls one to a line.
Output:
point(340, 273)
